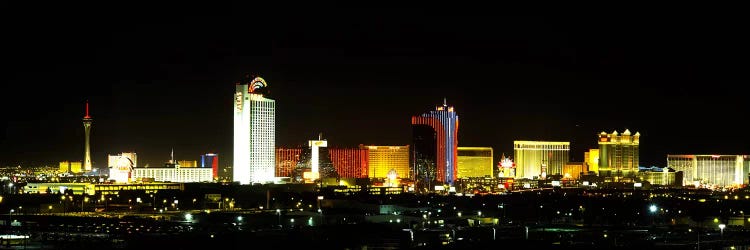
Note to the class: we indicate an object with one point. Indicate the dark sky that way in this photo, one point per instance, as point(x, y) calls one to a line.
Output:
point(162, 76)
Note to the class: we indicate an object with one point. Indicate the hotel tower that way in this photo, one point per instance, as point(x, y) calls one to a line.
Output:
point(254, 133)
point(435, 138)
point(87, 132)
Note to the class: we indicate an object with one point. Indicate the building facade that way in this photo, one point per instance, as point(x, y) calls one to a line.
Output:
point(211, 160)
point(435, 145)
point(174, 173)
point(286, 160)
point(121, 166)
point(538, 159)
point(254, 133)
point(187, 164)
point(474, 162)
point(351, 162)
point(591, 160)
point(383, 159)
point(573, 170)
point(618, 155)
point(711, 170)
point(70, 167)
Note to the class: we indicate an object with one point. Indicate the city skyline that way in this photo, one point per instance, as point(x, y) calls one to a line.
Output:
point(167, 81)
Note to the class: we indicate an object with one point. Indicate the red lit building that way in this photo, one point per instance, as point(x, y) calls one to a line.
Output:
point(435, 149)
point(350, 162)
point(286, 161)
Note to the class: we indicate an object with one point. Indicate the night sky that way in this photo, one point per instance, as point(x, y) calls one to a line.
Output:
point(162, 77)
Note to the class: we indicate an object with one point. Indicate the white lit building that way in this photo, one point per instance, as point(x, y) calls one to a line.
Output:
point(711, 170)
point(121, 166)
point(174, 173)
point(254, 134)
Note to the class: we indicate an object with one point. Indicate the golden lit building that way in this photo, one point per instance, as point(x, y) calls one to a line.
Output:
point(384, 158)
point(711, 170)
point(538, 159)
point(591, 160)
point(573, 170)
point(662, 178)
point(188, 164)
point(70, 166)
point(474, 162)
point(618, 154)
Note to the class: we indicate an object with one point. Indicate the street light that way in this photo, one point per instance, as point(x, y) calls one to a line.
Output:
point(721, 227)
point(10, 218)
point(278, 211)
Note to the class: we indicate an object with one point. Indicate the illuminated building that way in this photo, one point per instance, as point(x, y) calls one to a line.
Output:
point(286, 160)
point(383, 159)
point(120, 166)
point(172, 172)
point(64, 167)
point(211, 160)
point(254, 134)
point(315, 158)
point(591, 160)
point(188, 164)
point(87, 120)
point(711, 170)
point(435, 142)
point(474, 162)
point(59, 188)
point(573, 170)
point(506, 168)
point(537, 159)
point(661, 176)
point(618, 155)
point(350, 162)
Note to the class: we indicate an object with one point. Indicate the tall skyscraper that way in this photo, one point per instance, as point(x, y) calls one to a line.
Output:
point(618, 154)
point(254, 133)
point(87, 120)
point(435, 138)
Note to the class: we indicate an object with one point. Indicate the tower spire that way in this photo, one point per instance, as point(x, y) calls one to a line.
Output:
point(171, 156)
point(87, 110)
point(445, 102)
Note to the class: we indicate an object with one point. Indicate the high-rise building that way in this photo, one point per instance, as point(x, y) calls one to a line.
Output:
point(618, 154)
point(539, 159)
point(383, 159)
point(254, 133)
point(211, 160)
point(350, 162)
point(87, 120)
point(435, 146)
point(591, 160)
point(711, 170)
point(315, 146)
point(474, 162)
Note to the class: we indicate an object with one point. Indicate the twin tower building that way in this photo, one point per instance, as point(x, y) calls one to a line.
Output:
point(434, 150)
